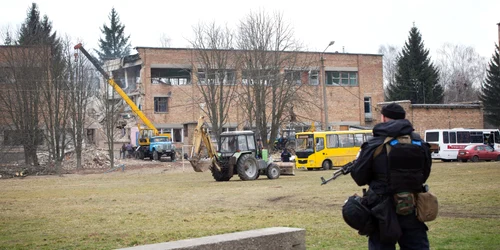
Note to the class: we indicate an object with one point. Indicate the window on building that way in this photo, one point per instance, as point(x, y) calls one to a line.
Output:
point(226, 76)
point(185, 129)
point(343, 78)
point(177, 135)
point(368, 105)
point(246, 77)
point(170, 76)
point(91, 136)
point(263, 77)
point(313, 77)
point(161, 104)
point(293, 76)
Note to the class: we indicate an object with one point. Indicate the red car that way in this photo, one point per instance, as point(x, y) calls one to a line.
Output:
point(478, 153)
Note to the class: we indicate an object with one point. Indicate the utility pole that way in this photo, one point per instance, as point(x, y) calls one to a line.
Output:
point(323, 82)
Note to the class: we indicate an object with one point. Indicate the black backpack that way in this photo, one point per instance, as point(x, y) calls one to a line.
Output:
point(406, 159)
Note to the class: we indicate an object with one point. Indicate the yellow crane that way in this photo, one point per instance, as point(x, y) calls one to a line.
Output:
point(144, 133)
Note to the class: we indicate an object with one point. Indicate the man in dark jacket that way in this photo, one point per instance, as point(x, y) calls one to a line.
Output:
point(373, 171)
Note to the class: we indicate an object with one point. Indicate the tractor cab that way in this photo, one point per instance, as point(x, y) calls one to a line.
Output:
point(237, 141)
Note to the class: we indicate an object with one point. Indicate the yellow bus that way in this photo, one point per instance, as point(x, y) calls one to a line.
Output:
point(327, 149)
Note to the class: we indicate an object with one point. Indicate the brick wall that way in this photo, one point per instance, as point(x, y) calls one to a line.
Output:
point(345, 104)
point(442, 116)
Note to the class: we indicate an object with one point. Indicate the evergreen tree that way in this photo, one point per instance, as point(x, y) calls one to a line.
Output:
point(30, 29)
point(39, 32)
point(115, 44)
point(8, 39)
point(490, 91)
point(416, 77)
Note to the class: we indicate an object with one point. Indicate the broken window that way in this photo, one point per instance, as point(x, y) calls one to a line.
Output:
point(170, 76)
point(91, 136)
point(226, 76)
point(313, 77)
point(293, 76)
point(177, 134)
point(161, 104)
point(261, 77)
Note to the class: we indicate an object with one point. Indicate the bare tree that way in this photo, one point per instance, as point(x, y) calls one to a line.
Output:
point(462, 70)
point(56, 105)
point(22, 77)
point(390, 59)
point(82, 83)
point(216, 64)
point(165, 40)
point(269, 71)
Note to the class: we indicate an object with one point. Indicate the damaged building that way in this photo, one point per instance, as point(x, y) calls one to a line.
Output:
point(162, 82)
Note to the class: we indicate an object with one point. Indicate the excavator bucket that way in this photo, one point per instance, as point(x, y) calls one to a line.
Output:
point(200, 165)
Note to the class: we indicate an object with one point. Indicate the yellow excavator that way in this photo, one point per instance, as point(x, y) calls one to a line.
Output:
point(151, 142)
point(238, 154)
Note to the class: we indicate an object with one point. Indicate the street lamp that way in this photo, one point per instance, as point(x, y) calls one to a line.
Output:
point(323, 82)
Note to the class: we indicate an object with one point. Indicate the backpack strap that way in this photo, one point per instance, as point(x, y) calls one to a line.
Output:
point(390, 141)
point(378, 150)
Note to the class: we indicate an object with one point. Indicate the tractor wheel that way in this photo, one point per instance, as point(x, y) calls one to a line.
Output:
point(475, 158)
point(326, 165)
point(247, 167)
point(273, 171)
point(172, 157)
point(224, 174)
point(155, 155)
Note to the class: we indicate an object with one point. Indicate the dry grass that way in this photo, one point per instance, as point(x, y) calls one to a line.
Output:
point(135, 207)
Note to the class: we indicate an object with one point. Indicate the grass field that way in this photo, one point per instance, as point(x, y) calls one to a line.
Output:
point(145, 206)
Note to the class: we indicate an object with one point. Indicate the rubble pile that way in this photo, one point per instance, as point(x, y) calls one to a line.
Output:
point(92, 158)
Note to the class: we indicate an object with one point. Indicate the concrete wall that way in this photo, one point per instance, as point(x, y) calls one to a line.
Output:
point(283, 238)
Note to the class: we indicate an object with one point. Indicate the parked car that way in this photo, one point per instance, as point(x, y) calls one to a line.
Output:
point(478, 153)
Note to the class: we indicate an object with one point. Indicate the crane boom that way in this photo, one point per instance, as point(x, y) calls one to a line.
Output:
point(119, 90)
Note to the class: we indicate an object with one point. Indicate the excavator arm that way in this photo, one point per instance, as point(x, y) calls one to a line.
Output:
point(118, 90)
point(201, 139)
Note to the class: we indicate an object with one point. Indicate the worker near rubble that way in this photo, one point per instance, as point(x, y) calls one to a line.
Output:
point(130, 150)
point(123, 151)
point(285, 156)
point(382, 173)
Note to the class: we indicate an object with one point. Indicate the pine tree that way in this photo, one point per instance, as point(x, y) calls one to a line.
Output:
point(30, 29)
point(8, 39)
point(39, 32)
point(417, 79)
point(490, 91)
point(115, 44)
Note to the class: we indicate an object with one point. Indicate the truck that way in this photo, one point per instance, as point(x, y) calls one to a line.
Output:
point(152, 143)
point(237, 155)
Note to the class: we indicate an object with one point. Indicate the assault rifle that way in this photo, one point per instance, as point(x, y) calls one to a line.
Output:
point(342, 171)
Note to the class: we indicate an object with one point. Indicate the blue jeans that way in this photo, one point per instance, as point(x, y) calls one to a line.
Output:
point(414, 235)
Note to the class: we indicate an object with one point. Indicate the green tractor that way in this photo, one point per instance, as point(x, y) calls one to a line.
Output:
point(238, 154)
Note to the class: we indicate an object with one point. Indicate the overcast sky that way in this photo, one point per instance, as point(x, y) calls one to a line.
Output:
point(355, 26)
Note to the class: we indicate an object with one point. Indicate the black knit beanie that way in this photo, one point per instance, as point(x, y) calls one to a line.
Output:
point(393, 111)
